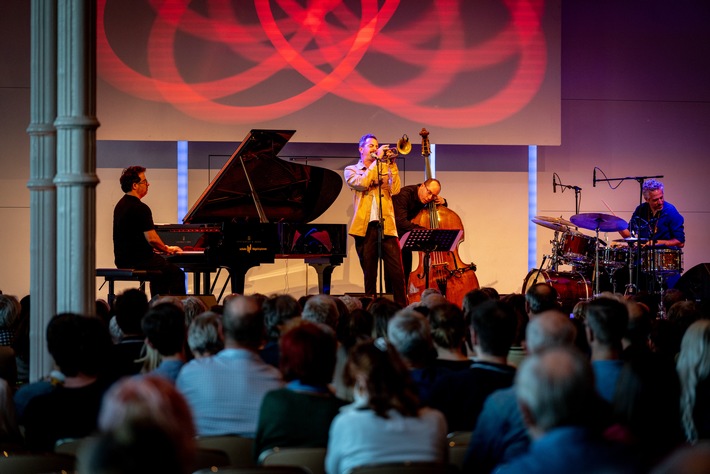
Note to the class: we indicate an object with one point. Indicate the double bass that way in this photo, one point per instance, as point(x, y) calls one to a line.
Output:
point(446, 271)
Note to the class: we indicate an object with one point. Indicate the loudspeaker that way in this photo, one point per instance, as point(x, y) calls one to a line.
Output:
point(695, 283)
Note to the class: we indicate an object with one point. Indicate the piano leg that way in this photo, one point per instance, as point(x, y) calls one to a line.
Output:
point(324, 266)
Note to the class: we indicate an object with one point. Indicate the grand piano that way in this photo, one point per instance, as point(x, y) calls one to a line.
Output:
point(257, 209)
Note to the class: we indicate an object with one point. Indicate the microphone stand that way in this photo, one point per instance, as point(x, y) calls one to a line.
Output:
point(380, 221)
point(577, 191)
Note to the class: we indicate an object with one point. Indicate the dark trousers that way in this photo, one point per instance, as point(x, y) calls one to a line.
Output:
point(173, 280)
point(366, 248)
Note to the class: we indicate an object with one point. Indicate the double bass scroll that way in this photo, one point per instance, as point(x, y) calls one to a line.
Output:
point(443, 270)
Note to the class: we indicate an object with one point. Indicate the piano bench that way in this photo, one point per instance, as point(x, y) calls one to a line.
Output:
point(112, 275)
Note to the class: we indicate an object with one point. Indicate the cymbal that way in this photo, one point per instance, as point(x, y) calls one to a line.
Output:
point(554, 220)
point(632, 239)
point(603, 222)
point(551, 225)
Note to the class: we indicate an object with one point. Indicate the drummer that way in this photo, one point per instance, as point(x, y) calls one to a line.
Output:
point(656, 220)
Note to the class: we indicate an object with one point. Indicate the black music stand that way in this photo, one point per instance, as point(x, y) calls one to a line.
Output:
point(428, 241)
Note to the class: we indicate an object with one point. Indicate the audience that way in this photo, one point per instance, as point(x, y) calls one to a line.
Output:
point(555, 390)
point(205, 336)
point(192, 305)
point(460, 395)
point(125, 359)
point(448, 331)
point(79, 346)
point(300, 413)
point(606, 323)
point(9, 311)
point(164, 329)
point(146, 427)
point(541, 297)
point(631, 398)
point(694, 373)
point(321, 309)
point(278, 312)
point(385, 424)
point(225, 391)
point(408, 332)
point(500, 433)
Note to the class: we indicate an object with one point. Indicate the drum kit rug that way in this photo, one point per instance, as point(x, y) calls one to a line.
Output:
point(589, 257)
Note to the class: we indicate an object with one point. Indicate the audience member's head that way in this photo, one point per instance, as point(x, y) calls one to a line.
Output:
point(382, 309)
point(492, 328)
point(205, 337)
point(130, 307)
point(408, 331)
point(9, 311)
point(541, 297)
point(472, 299)
point(321, 309)
point(607, 320)
point(432, 299)
point(351, 302)
point(78, 344)
point(164, 327)
point(550, 329)
point(517, 302)
point(670, 297)
point(380, 379)
point(149, 404)
point(687, 460)
point(683, 313)
point(360, 327)
point(555, 388)
point(243, 323)
point(308, 354)
point(192, 305)
point(448, 328)
point(278, 311)
point(639, 325)
point(693, 368)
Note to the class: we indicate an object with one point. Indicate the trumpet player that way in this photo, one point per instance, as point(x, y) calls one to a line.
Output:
point(374, 180)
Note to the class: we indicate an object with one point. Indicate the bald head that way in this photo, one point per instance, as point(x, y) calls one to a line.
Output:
point(549, 329)
point(243, 322)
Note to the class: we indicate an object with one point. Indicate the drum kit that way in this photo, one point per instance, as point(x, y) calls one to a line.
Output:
point(590, 256)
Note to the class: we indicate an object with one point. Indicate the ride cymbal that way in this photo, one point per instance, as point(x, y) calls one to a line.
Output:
point(602, 222)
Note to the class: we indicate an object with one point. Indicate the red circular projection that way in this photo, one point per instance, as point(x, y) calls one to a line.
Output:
point(325, 43)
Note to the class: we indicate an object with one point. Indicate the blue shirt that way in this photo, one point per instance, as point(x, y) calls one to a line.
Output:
point(225, 391)
point(572, 449)
point(665, 225)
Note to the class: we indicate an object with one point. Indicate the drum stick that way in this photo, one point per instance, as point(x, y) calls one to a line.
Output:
point(607, 206)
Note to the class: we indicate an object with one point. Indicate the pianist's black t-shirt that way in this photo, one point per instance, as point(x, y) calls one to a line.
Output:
point(131, 218)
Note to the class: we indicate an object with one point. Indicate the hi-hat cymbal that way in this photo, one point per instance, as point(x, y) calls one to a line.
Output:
point(554, 220)
point(551, 225)
point(603, 222)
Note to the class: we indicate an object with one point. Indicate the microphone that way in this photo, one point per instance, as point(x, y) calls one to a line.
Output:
point(554, 183)
point(594, 179)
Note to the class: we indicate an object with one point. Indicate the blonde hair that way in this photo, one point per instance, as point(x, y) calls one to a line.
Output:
point(693, 367)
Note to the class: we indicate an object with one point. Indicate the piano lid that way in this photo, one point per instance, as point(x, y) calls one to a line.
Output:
point(289, 192)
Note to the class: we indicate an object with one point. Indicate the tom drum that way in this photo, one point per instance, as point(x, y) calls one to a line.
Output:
point(572, 287)
point(577, 247)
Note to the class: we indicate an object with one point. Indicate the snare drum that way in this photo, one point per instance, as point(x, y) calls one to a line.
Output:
point(662, 261)
point(577, 247)
point(614, 257)
point(572, 287)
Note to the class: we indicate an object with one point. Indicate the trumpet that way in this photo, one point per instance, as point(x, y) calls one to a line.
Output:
point(403, 147)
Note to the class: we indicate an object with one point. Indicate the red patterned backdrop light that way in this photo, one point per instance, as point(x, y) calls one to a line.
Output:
point(444, 64)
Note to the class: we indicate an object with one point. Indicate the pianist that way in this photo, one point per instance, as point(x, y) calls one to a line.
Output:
point(135, 239)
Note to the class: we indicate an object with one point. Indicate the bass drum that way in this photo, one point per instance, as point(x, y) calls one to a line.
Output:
point(572, 287)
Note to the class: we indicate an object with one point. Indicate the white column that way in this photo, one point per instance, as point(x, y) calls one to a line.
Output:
point(76, 178)
point(43, 227)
